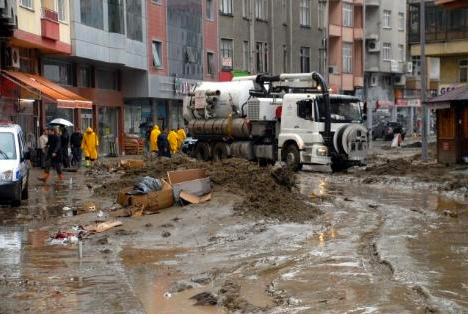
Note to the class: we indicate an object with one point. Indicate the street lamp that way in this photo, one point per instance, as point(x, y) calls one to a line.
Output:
point(422, 32)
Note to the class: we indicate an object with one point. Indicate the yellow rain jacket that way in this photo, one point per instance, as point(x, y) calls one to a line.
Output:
point(90, 144)
point(154, 138)
point(173, 140)
point(181, 136)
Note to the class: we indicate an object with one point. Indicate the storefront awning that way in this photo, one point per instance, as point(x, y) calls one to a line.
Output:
point(45, 88)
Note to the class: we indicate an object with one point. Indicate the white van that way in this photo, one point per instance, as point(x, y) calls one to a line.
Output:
point(14, 164)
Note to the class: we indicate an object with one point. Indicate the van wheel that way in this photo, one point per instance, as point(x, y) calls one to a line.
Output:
point(292, 157)
point(202, 151)
point(17, 201)
point(220, 151)
point(25, 192)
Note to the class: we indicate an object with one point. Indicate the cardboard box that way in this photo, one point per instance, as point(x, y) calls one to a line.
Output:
point(131, 164)
point(193, 182)
point(153, 201)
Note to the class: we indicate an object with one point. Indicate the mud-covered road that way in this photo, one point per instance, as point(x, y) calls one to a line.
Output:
point(380, 247)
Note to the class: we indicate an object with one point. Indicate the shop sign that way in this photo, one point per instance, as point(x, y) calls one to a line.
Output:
point(408, 103)
point(382, 104)
point(183, 86)
point(446, 88)
point(226, 62)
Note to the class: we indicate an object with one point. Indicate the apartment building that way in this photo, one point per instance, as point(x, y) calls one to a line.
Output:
point(33, 30)
point(260, 36)
point(385, 58)
point(346, 46)
point(182, 46)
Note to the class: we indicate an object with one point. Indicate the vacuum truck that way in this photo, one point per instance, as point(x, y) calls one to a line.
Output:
point(289, 117)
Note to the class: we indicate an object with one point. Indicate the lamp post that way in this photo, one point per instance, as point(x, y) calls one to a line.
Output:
point(422, 32)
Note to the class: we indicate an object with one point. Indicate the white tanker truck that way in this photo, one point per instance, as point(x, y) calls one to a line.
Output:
point(288, 117)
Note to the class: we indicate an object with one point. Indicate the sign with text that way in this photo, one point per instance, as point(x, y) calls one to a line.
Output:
point(447, 88)
point(408, 103)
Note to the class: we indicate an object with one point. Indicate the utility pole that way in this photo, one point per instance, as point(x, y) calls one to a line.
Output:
point(422, 32)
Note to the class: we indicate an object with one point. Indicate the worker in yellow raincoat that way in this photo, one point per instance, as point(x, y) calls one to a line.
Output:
point(181, 136)
point(154, 138)
point(173, 140)
point(90, 146)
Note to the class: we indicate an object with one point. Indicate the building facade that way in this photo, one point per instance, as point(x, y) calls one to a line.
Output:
point(345, 46)
point(258, 36)
point(182, 46)
point(385, 59)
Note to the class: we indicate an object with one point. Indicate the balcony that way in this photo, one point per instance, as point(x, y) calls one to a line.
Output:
point(358, 34)
point(334, 30)
point(49, 24)
point(358, 2)
point(373, 3)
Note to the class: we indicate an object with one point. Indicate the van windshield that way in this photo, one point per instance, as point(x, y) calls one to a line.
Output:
point(7, 146)
point(342, 111)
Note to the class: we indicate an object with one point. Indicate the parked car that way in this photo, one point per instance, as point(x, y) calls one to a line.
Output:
point(188, 145)
point(387, 130)
point(14, 164)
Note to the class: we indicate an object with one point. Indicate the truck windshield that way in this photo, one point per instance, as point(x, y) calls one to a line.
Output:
point(342, 111)
point(7, 146)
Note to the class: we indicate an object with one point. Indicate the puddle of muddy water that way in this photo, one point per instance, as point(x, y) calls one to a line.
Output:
point(152, 272)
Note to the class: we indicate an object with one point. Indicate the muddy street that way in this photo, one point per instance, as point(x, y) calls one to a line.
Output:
point(381, 247)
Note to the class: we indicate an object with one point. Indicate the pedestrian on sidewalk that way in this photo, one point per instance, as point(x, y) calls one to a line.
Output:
point(173, 141)
point(53, 157)
point(90, 146)
point(41, 148)
point(181, 136)
point(64, 142)
point(154, 138)
point(75, 142)
point(163, 145)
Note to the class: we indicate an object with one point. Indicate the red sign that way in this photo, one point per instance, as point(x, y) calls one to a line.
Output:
point(408, 103)
point(7, 88)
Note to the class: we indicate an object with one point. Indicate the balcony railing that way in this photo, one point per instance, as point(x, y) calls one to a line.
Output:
point(49, 14)
point(49, 24)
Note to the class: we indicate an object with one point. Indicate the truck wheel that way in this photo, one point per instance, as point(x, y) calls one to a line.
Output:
point(202, 151)
point(292, 157)
point(220, 151)
point(25, 192)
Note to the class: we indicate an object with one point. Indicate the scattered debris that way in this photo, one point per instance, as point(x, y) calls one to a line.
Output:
point(191, 185)
point(450, 213)
point(205, 298)
point(166, 234)
point(284, 176)
point(131, 164)
point(104, 226)
point(145, 185)
point(202, 279)
point(180, 286)
point(148, 225)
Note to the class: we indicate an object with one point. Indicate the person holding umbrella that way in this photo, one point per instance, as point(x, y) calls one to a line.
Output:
point(90, 146)
point(75, 142)
point(65, 141)
point(53, 157)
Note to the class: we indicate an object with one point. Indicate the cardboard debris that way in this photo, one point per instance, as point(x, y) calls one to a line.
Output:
point(193, 199)
point(131, 164)
point(128, 212)
point(104, 226)
point(153, 201)
point(193, 182)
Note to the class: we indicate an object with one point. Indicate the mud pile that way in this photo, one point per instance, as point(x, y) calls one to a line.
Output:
point(264, 194)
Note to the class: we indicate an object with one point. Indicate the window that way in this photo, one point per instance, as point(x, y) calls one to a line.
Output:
point(58, 72)
point(401, 21)
point(156, 1)
point(84, 76)
point(61, 10)
point(387, 51)
point(304, 13)
point(225, 7)
point(246, 8)
point(210, 66)
point(416, 60)
point(285, 59)
point(226, 53)
point(463, 70)
point(27, 3)
point(209, 9)
point(347, 14)
point(265, 59)
point(259, 57)
point(106, 79)
point(134, 16)
point(387, 19)
point(401, 53)
point(116, 16)
point(157, 54)
point(347, 57)
point(304, 110)
point(92, 13)
point(305, 60)
point(261, 9)
point(321, 13)
point(245, 56)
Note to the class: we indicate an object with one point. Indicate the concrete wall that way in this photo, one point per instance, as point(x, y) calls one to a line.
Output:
point(101, 45)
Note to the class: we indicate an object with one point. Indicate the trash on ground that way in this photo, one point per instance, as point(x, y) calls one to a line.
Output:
point(194, 182)
point(150, 202)
point(104, 226)
point(145, 185)
point(131, 164)
point(205, 298)
point(68, 212)
point(68, 236)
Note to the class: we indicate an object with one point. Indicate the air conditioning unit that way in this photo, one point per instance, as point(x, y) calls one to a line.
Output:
point(8, 11)
point(373, 46)
point(399, 80)
point(14, 58)
point(409, 67)
point(333, 69)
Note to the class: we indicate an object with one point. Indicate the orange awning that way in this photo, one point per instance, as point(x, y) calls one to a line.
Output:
point(62, 96)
